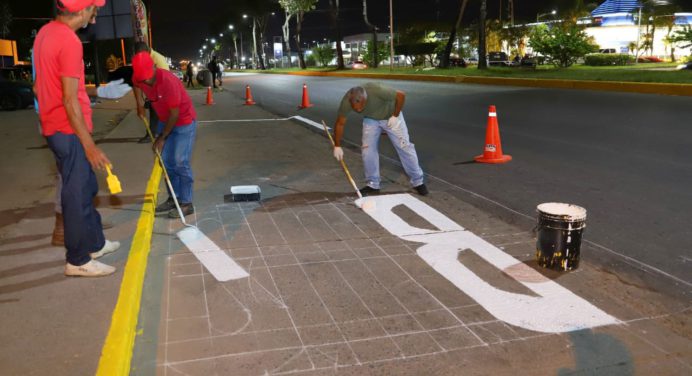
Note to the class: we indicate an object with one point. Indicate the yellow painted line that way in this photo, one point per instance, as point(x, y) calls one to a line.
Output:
point(116, 354)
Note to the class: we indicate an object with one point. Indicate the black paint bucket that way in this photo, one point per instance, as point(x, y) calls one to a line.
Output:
point(558, 235)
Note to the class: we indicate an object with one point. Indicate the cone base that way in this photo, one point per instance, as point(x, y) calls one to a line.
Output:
point(249, 103)
point(302, 107)
point(503, 159)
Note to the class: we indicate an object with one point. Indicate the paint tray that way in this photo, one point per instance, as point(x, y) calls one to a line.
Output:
point(245, 193)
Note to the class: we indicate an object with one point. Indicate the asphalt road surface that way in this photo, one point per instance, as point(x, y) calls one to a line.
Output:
point(624, 157)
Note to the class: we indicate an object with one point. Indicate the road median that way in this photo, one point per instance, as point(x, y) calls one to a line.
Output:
point(616, 86)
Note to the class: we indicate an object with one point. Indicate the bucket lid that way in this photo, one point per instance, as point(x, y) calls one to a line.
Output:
point(573, 212)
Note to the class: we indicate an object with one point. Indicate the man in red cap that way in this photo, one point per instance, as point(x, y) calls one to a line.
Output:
point(65, 114)
point(176, 129)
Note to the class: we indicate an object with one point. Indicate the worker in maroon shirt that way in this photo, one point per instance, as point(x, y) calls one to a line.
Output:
point(177, 128)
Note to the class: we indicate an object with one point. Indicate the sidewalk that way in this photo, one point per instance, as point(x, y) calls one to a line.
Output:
point(332, 289)
point(52, 324)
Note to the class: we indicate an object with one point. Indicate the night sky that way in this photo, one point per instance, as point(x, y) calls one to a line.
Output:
point(180, 25)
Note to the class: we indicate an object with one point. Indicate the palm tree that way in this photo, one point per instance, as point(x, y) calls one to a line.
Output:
point(336, 24)
point(482, 62)
point(444, 61)
point(374, 34)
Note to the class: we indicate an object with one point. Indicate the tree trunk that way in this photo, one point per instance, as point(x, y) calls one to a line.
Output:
point(262, 26)
point(444, 63)
point(287, 40)
point(254, 42)
point(235, 46)
point(482, 62)
point(337, 31)
point(299, 24)
point(374, 34)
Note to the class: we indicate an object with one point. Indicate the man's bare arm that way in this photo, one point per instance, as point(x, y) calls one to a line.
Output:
point(339, 129)
point(70, 90)
point(399, 104)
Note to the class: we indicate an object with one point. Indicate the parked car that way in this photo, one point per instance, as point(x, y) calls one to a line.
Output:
point(358, 64)
point(457, 62)
point(15, 95)
point(498, 58)
point(178, 73)
point(687, 65)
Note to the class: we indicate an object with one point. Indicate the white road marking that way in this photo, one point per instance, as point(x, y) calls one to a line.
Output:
point(217, 262)
point(554, 310)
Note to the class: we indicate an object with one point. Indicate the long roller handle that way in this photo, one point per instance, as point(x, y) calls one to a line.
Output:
point(343, 164)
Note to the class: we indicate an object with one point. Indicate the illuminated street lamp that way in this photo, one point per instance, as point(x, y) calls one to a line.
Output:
point(538, 16)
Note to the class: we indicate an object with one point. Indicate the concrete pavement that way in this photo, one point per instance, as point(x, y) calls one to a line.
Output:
point(332, 289)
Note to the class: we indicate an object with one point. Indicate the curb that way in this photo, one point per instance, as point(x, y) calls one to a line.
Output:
point(627, 87)
point(116, 354)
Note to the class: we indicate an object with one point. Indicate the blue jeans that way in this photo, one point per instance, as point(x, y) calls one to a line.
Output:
point(176, 157)
point(83, 231)
point(372, 129)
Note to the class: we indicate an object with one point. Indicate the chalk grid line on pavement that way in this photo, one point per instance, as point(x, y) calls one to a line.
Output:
point(275, 250)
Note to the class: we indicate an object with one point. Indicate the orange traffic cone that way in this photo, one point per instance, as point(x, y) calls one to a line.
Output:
point(210, 97)
point(248, 96)
point(306, 100)
point(492, 153)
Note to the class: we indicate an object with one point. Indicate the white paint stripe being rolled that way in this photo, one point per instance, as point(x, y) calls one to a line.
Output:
point(243, 120)
point(217, 262)
point(310, 122)
point(296, 117)
point(554, 310)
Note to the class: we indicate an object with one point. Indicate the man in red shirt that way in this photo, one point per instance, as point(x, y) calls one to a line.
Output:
point(176, 129)
point(65, 114)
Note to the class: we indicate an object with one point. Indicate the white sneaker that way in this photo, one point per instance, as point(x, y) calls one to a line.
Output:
point(108, 247)
point(92, 268)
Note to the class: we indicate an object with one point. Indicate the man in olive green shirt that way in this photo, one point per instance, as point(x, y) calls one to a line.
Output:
point(381, 109)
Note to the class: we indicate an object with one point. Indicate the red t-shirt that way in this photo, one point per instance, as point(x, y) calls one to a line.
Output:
point(168, 92)
point(58, 53)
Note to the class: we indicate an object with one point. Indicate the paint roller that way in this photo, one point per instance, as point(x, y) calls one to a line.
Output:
point(113, 182)
point(360, 202)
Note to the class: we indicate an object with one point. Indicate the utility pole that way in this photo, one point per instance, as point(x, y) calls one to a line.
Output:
point(391, 36)
point(639, 33)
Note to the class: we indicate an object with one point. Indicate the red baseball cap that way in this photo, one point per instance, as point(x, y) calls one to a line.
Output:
point(142, 67)
point(77, 5)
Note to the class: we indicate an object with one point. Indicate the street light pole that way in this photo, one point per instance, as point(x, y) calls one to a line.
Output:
point(539, 15)
point(639, 33)
point(391, 36)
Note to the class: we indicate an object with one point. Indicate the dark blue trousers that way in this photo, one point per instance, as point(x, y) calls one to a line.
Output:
point(83, 231)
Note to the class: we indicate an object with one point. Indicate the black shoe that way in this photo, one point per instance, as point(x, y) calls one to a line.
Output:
point(422, 190)
point(187, 209)
point(166, 206)
point(144, 140)
point(368, 190)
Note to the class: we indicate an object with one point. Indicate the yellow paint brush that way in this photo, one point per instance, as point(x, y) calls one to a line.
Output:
point(113, 182)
